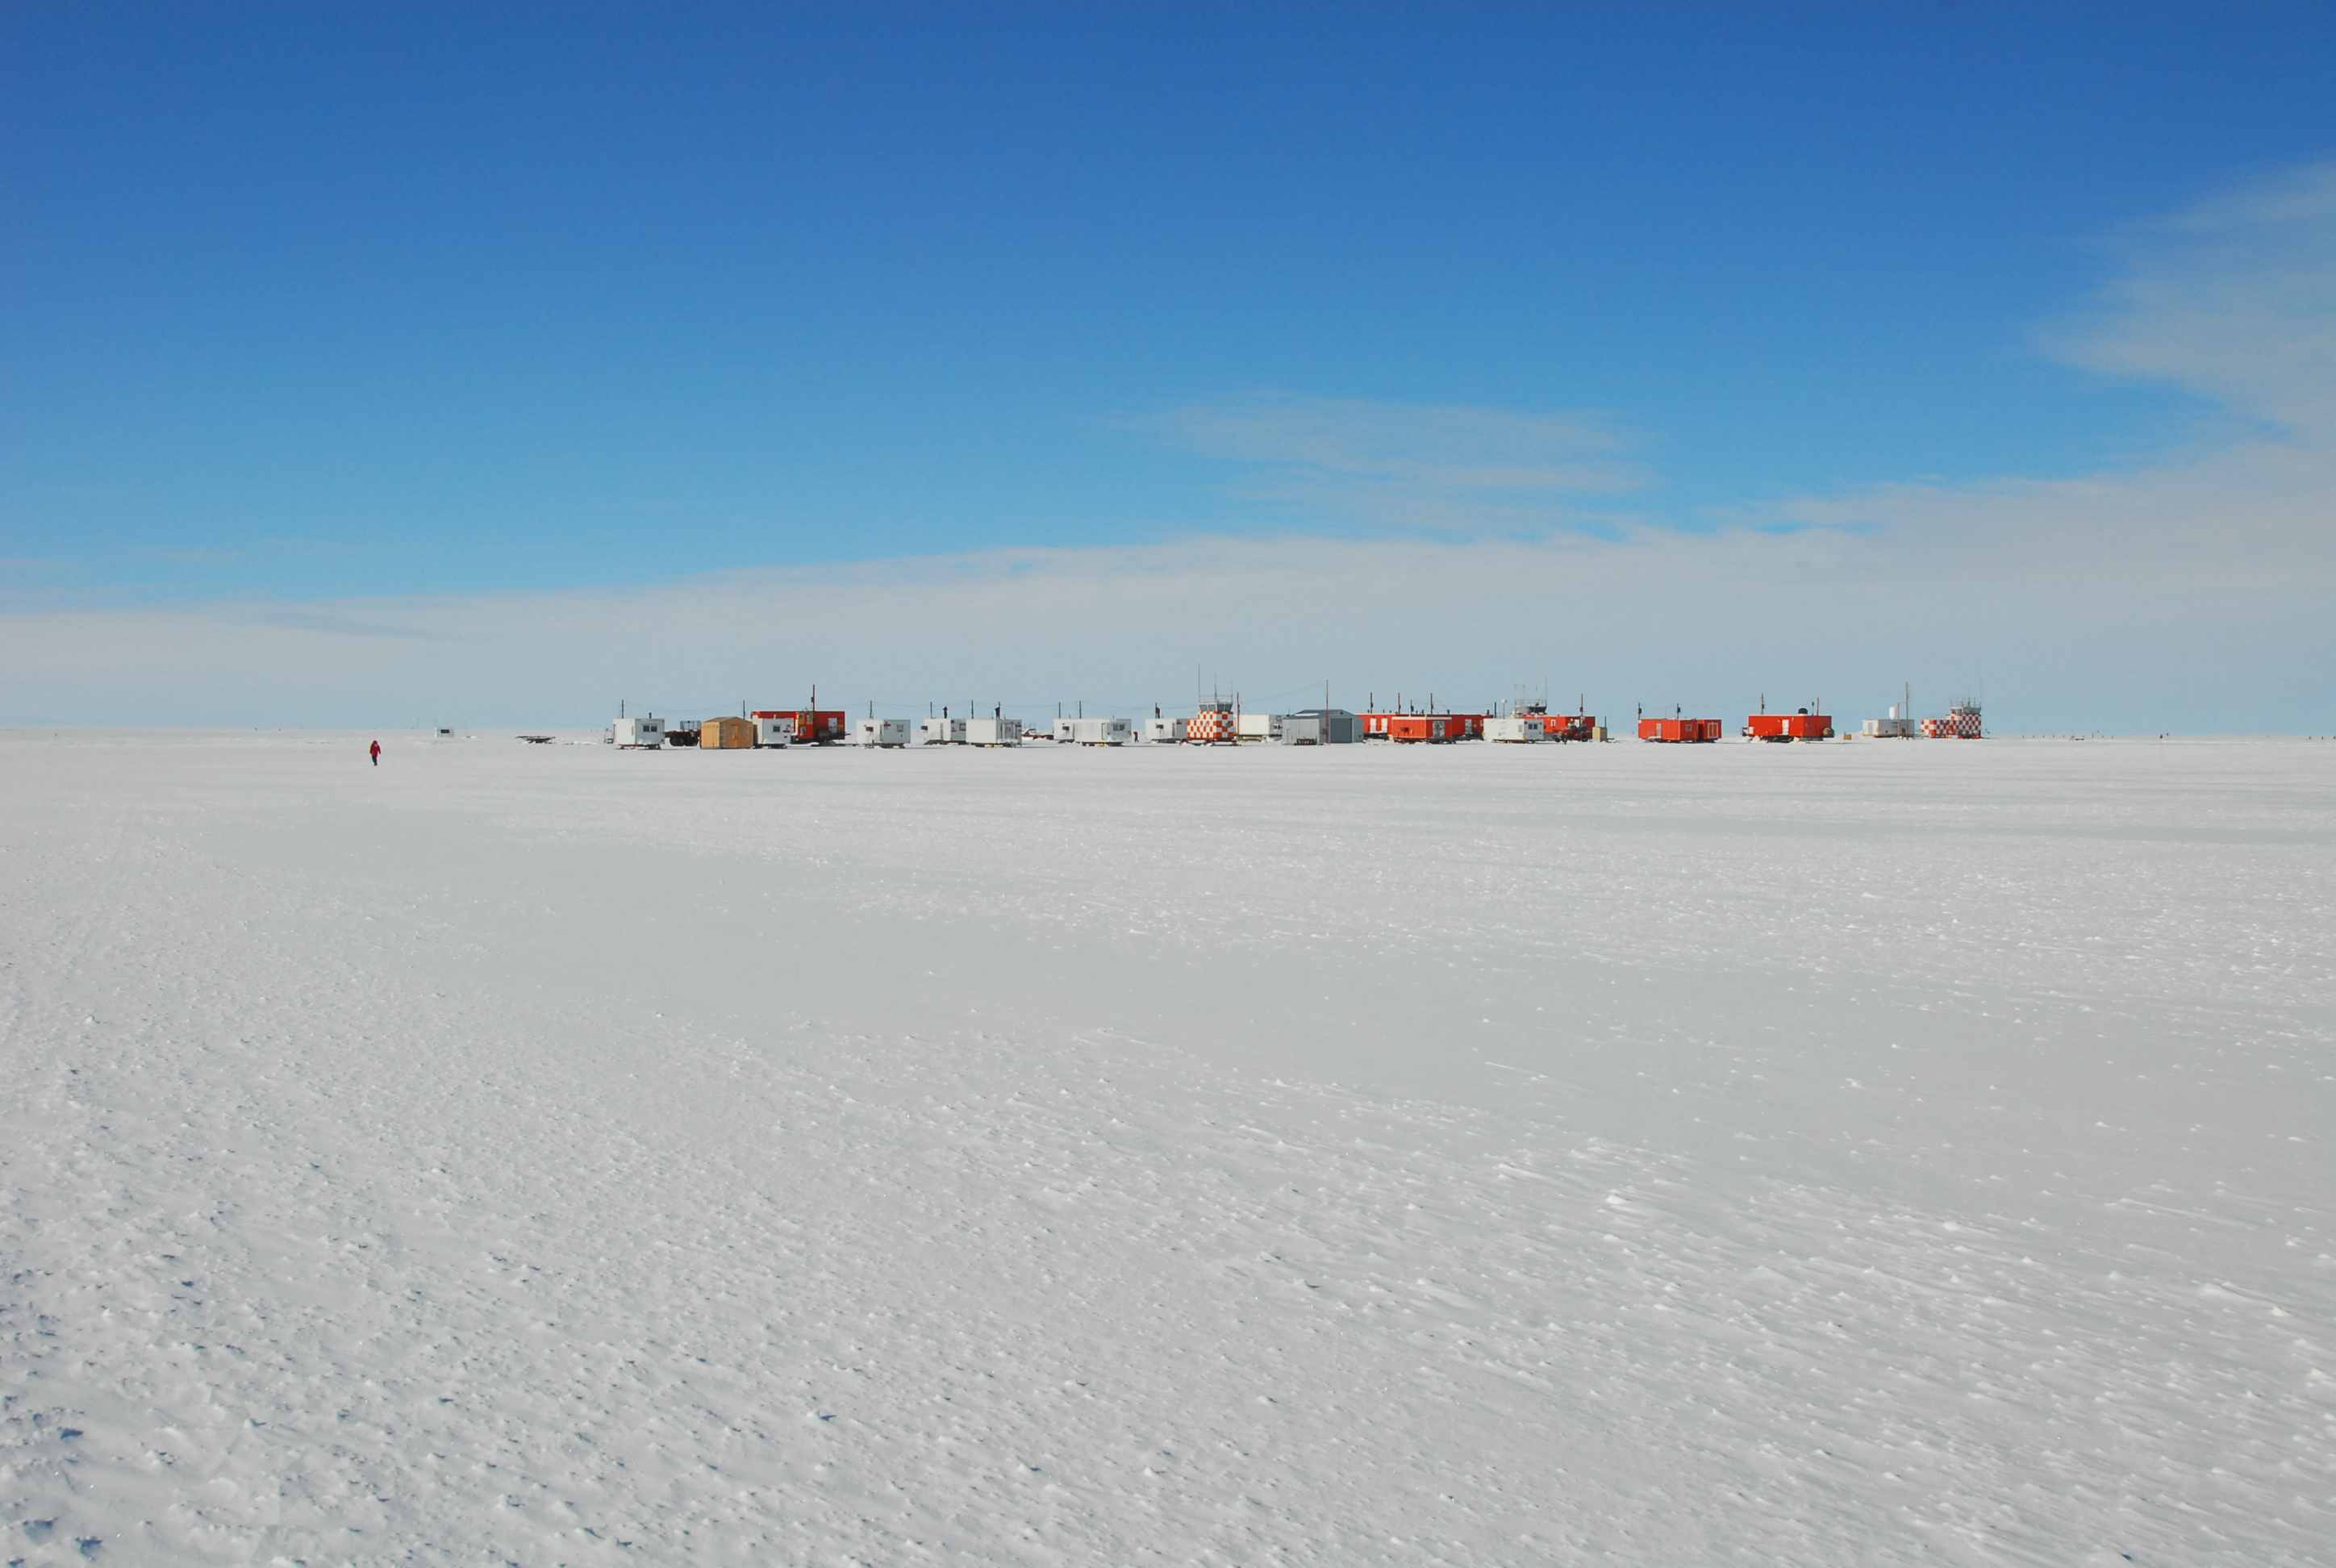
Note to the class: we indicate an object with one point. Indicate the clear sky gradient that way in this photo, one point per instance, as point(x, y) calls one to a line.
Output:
point(321, 301)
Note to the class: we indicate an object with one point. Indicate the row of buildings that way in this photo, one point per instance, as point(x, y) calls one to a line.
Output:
point(1224, 723)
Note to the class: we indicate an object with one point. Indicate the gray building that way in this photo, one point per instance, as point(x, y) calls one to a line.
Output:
point(1320, 726)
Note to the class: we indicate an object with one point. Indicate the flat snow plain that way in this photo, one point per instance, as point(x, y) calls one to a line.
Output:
point(1863, 1154)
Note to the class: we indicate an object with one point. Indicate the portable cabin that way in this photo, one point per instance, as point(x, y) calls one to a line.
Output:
point(1166, 730)
point(1801, 725)
point(1257, 727)
point(1515, 728)
point(775, 729)
point(1094, 731)
point(885, 732)
point(1688, 731)
point(942, 732)
point(639, 733)
point(993, 732)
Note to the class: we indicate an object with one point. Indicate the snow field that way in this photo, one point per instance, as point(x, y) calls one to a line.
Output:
point(1865, 1154)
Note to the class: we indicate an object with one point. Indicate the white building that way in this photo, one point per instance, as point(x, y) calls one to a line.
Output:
point(885, 732)
point(942, 732)
point(639, 733)
point(1094, 731)
point(1253, 727)
point(1515, 728)
point(775, 729)
point(1899, 725)
point(993, 732)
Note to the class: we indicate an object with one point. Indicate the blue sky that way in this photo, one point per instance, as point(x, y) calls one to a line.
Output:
point(309, 303)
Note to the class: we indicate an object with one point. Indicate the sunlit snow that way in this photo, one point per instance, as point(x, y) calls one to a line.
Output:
point(1855, 1153)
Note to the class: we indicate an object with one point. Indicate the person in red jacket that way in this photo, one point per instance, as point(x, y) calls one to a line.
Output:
point(376, 754)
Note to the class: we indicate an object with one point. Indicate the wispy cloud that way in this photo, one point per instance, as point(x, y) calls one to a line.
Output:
point(1450, 468)
point(2234, 299)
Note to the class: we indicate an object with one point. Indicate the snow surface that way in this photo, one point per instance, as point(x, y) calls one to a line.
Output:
point(1862, 1154)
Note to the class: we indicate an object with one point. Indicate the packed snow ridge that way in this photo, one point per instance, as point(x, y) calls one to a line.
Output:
point(560, 1154)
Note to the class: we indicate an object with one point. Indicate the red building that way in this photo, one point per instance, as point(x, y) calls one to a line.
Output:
point(1802, 724)
point(1422, 726)
point(1694, 731)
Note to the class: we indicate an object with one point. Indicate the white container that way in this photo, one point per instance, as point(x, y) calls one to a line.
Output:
point(1259, 726)
point(640, 733)
point(1168, 730)
point(993, 732)
point(775, 729)
point(885, 732)
point(1518, 729)
point(942, 732)
point(1094, 731)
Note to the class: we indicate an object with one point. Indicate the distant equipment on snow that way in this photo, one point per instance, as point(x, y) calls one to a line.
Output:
point(1223, 721)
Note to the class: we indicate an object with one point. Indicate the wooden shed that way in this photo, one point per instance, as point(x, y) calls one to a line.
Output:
point(726, 735)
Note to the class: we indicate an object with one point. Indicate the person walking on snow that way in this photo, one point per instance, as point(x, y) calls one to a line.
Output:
point(376, 754)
